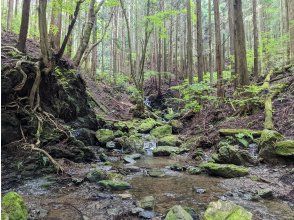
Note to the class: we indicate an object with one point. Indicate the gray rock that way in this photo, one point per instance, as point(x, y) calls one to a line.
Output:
point(147, 214)
point(148, 202)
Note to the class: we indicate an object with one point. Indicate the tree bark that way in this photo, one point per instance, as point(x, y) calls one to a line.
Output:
point(199, 41)
point(218, 48)
point(87, 31)
point(210, 42)
point(255, 41)
point(189, 43)
point(291, 29)
point(240, 48)
point(21, 44)
point(9, 15)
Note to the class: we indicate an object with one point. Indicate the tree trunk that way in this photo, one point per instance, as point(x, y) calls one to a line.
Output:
point(199, 41)
point(210, 42)
point(94, 53)
point(255, 33)
point(87, 31)
point(291, 29)
point(9, 14)
point(285, 26)
point(240, 48)
point(46, 53)
point(189, 43)
point(21, 44)
point(218, 48)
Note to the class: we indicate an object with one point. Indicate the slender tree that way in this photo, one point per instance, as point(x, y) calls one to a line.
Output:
point(210, 42)
point(189, 42)
point(218, 48)
point(291, 28)
point(256, 41)
point(199, 42)
point(21, 44)
point(9, 15)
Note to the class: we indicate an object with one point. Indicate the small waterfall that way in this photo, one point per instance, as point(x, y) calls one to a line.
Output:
point(149, 145)
point(253, 150)
point(147, 102)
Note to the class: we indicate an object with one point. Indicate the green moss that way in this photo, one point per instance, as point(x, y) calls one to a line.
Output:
point(104, 135)
point(269, 137)
point(170, 140)
point(115, 184)
point(13, 206)
point(177, 212)
point(225, 210)
point(96, 175)
point(162, 131)
point(194, 170)
point(165, 151)
point(233, 132)
point(225, 170)
point(285, 148)
point(147, 125)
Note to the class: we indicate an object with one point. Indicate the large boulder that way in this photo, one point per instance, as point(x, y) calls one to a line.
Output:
point(225, 210)
point(165, 150)
point(13, 207)
point(85, 135)
point(105, 135)
point(161, 131)
point(285, 148)
point(96, 175)
point(225, 170)
point(234, 155)
point(170, 140)
point(177, 125)
point(177, 212)
point(147, 125)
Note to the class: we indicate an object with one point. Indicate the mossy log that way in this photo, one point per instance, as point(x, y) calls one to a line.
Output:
point(268, 107)
point(232, 132)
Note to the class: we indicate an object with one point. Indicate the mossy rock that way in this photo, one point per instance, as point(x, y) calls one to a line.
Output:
point(148, 202)
point(147, 125)
point(105, 135)
point(194, 170)
point(268, 137)
point(14, 207)
point(165, 151)
point(177, 125)
point(170, 140)
point(156, 173)
point(225, 170)
point(225, 210)
point(115, 184)
point(285, 148)
point(96, 175)
point(233, 155)
point(178, 212)
point(162, 131)
point(233, 132)
point(121, 125)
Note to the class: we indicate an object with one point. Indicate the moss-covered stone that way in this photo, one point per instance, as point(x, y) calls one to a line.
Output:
point(233, 155)
point(285, 148)
point(177, 125)
point(225, 170)
point(147, 125)
point(148, 202)
point(233, 132)
point(115, 184)
point(14, 207)
point(162, 131)
point(225, 210)
point(178, 212)
point(104, 135)
point(194, 170)
point(165, 150)
point(96, 175)
point(156, 173)
point(170, 140)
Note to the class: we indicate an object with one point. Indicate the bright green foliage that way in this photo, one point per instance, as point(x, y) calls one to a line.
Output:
point(225, 210)
point(241, 137)
point(13, 205)
point(285, 148)
point(147, 125)
point(115, 184)
point(104, 135)
point(161, 131)
point(171, 140)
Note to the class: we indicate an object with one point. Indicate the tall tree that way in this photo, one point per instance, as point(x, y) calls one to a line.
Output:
point(210, 42)
point(199, 42)
point(9, 14)
point(240, 48)
point(218, 49)
point(291, 28)
point(189, 42)
point(255, 40)
point(232, 40)
point(22, 38)
point(84, 40)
